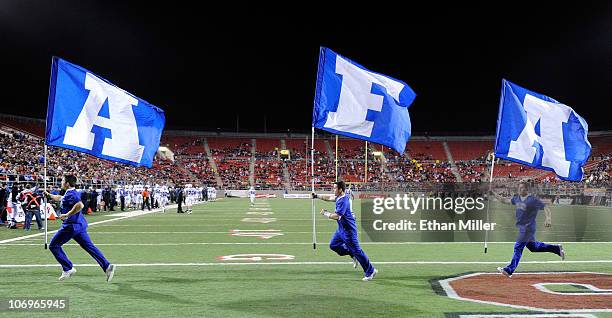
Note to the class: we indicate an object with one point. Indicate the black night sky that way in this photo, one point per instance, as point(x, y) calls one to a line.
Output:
point(207, 65)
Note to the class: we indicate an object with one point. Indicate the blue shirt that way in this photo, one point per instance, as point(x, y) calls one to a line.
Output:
point(70, 198)
point(347, 219)
point(526, 212)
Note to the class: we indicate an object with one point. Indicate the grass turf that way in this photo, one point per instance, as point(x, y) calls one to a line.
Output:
point(207, 289)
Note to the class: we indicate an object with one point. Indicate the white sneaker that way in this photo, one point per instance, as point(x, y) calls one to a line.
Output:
point(189, 212)
point(110, 272)
point(355, 262)
point(369, 278)
point(67, 274)
point(561, 252)
point(503, 271)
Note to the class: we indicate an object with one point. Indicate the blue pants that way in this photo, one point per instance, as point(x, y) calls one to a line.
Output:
point(533, 246)
point(28, 219)
point(74, 231)
point(345, 243)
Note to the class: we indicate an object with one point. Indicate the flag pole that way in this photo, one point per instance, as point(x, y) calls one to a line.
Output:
point(306, 143)
point(336, 158)
point(45, 163)
point(366, 162)
point(46, 209)
point(489, 205)
point(314, 224)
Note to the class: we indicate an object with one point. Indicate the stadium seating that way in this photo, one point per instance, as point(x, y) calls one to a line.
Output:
point(426, 150)
point(469, 150)
point(21, 148)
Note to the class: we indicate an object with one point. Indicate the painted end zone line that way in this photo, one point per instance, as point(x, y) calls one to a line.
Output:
point(308, 263)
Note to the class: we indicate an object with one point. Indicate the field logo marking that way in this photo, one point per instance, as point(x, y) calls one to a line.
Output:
point(262, 234)
point(256, 257)
point(521, 290)
point(259, 220)
point(520, 315)
point(260, 213)
point(592, 290)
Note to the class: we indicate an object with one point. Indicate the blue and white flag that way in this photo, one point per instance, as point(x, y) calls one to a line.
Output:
point(89, 114)
point(540, 132)
point(355, 102)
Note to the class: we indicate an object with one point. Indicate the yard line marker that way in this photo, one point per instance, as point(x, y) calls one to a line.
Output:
point(248, 243)
point(304, 263)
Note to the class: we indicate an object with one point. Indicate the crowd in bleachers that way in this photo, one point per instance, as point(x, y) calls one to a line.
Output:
point(242, 150)
point(407, 170)
point(200, 167)
point(269, 174)
point(601, 174)
point(234, 173)
point(21, 158)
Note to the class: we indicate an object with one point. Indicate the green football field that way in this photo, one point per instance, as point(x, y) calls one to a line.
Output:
point(173, 265)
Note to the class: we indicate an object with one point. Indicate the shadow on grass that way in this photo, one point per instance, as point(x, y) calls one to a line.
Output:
point(319, 306)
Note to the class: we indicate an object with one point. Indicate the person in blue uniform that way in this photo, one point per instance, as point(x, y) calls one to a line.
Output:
point(527, 208)
point(345, 241)
point(74, 226)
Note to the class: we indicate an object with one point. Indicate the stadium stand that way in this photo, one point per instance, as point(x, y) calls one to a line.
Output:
point(245, 160)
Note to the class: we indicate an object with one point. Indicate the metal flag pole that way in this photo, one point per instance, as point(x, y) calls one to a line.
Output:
point(45, 164)
point(46, 209)
point(314, 223)
point(366, 162)
point(486, 240)
point(336, 158)
point(306, 150)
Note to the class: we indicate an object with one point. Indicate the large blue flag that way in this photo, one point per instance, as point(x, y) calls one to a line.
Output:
point(89, 114)
point(355, 102)
point(540, 132)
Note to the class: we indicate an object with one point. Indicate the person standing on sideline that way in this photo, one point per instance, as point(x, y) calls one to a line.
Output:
point(93, 199)
point(113, 199)
point(122, 197)
point(345, 240)
point(145, 199)
point(14, 198)
point(31, 201)
point(179, 199)
point(527, 207)
point(74, 226)
point(252, 195)
point(106, 198)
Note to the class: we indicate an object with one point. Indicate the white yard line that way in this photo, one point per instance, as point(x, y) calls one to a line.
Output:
point(255, 243)
point(229, 263)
